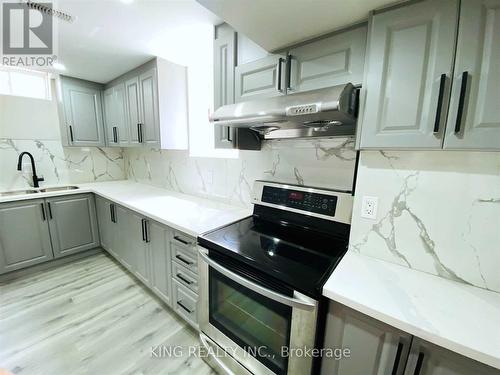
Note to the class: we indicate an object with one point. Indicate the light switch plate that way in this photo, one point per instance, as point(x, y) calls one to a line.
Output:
point(369, 207)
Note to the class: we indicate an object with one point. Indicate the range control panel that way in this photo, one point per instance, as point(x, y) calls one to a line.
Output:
point(300, 200)
point(302, 109)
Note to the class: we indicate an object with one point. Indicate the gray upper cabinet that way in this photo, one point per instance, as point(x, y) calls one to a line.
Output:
point(261, 78)
point(133, 110)
point(429, 359)
point(72, 223)
point(115, 116)
point(24, 235)
point(376, 348)
point(224, 65)
point(331, 61)
point(474, 118)
point(82, 110)
point(149, 123)
point(409, 64)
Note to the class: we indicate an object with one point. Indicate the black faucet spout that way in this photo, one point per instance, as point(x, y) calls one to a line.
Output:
point(36, 179)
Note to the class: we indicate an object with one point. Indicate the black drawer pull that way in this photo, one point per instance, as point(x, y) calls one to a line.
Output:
point(71, 133)
point(188, 262)
point(143, 230)
point(397, 359)
point(420, 362)
point(43, 212)
point(187, 281)
point(184, 307)
point(177, 238)
point(437, 121)
point(50, 210)
point(461, 101)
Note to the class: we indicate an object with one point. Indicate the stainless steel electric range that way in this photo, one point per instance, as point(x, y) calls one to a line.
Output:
point(261, 280)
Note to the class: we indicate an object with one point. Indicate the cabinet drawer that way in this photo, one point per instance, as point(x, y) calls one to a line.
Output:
point(185, 303)
point(185, 257)
point(183, 240)
point(185, 277)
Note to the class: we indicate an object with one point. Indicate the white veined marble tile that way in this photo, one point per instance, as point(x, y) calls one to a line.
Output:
point(57, 164)
point(439, 212)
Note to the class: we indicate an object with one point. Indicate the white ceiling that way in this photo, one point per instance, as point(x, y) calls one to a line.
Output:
point(274, 24)
point(110, 37)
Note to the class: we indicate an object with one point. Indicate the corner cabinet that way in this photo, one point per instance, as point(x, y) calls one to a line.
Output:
point(152, 104)
point(81, 112)
point(419, 90)
point(377, 348)
point(474, 119)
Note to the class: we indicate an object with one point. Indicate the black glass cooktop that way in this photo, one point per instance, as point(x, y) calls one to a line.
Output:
point(300, 258)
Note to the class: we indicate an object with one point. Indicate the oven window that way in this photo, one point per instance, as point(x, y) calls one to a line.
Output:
point(256, 323)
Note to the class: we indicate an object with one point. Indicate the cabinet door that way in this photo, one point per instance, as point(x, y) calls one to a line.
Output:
point(103, 211)
point(429, 359)
point(109, 117)
point(120, 239)
point(24, 235)
point(83, 113)
point(120, 114)
point(376, 348)
point(133, 111)
point(138, 247)
point(474, 119)
point(262, 78)
point(72, 224)
point(224, 64)
point(161, 281)
point(332, 61)
point(150, 124)
point(410, 56)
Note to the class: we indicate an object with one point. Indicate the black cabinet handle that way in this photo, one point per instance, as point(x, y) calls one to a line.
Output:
point(397, 359)
point(112, 212)
point(184, 307)
point(280, 61)
point(289, 72)
point(461, 101)
point(71, 133)
point(420, 362)
point(188, 262)
point(187, 281)
point(442, 84)
point(49, 209)
point(139, 132)
point(146, 231)
point(143, 231)
point(177, 238)
point(115, 135)
point(43, 212)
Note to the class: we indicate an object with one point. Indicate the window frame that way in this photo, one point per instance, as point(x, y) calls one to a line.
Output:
point(28, 72)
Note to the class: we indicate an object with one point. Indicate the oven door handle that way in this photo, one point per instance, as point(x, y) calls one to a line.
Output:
point(205, 341)
point(300, 303)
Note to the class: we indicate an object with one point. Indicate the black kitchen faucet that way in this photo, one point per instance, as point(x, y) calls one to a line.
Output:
point(36, 179)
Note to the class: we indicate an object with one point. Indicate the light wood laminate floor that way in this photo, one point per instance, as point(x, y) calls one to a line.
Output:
point(89, 317)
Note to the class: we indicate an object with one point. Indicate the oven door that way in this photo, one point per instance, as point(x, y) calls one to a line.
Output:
point(254, 323)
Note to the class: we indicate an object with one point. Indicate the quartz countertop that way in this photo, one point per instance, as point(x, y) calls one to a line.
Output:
point(456, 316)
point(186, 213)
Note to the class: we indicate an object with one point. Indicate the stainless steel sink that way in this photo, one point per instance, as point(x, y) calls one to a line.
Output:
point(57, 188)
point(17, 192)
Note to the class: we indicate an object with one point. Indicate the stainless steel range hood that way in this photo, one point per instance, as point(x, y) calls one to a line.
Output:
point(325, 112)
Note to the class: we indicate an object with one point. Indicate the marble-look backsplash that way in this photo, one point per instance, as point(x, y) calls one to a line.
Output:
point(323, 163)
point(58, 165)
point(438, 212)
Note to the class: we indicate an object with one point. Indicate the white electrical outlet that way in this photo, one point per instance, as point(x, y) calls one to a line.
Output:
point(369, 207)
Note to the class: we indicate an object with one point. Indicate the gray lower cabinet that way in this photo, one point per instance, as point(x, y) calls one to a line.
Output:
point(474, 118)
point(161, 280)
point(375, 347)
point(82, 123)
point(429, 359)
point(139, 245)
point(24, 235)
point(72, 223)
point(378, 348)
point(409, 63)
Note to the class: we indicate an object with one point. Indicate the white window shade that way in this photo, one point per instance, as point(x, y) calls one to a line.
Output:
point(31, 84)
